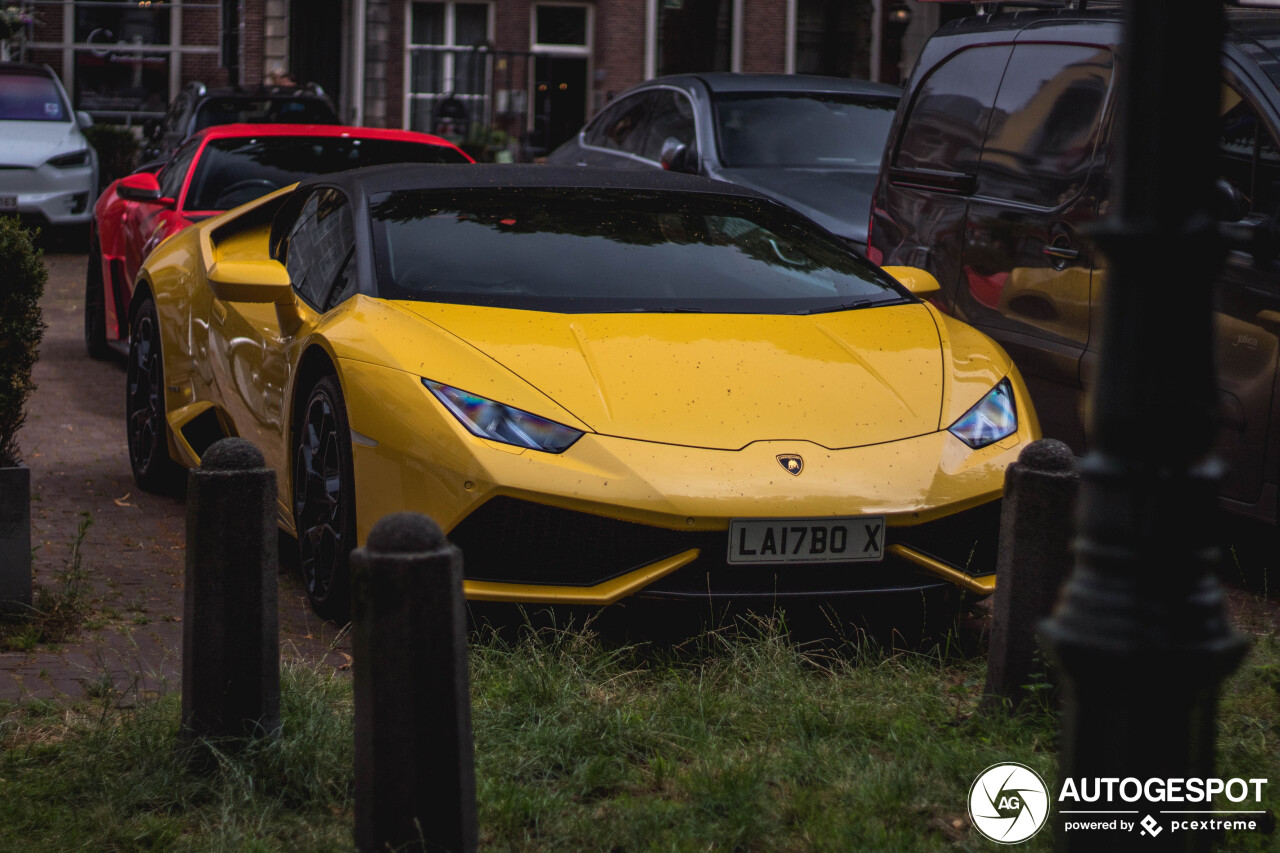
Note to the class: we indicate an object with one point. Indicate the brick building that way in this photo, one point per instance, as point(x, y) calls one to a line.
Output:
point(523, 73)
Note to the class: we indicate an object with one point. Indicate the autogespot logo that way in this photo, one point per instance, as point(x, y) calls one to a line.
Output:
point(1008, 803)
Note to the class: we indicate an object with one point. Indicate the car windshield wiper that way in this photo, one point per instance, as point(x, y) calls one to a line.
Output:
point(848, 306)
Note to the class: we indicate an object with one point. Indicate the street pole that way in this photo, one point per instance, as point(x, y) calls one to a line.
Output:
point(1141, 634)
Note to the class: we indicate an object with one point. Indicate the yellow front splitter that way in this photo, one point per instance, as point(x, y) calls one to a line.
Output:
point(984, 585)
point(600, 594)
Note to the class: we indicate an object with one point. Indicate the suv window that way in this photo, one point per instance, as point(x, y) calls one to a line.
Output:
point(948, 120)
point(1044, 128)
point(1248, 157)
point(320, 246)
point(620, 126)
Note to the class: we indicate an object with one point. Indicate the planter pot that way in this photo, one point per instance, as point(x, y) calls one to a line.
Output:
point(15, 539)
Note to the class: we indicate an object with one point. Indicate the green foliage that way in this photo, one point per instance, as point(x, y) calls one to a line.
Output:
point(739, 739)
point(60, 610)
point(21, 328)
point(117, 149)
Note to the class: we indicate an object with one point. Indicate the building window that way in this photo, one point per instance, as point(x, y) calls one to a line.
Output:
point(116, 74)
point(448, 67)
point(695, 35)
point(833, 37)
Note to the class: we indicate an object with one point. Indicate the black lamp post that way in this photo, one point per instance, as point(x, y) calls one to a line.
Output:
point(1142, 634)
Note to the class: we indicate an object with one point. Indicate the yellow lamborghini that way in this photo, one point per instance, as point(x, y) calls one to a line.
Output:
point(600, 383)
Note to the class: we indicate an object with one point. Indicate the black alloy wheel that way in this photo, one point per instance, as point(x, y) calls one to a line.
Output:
point(148, 431)
point(95, 314)
point(324, 499)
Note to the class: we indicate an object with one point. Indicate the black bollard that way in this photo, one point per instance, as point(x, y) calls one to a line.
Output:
point(230, 629)
point(415, 783)
point(1141, 632)
point(1036, 528)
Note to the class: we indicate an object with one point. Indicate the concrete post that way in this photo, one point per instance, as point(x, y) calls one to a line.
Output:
point(15, 539)
point(230, 629)
point(1037, 524)
point(415, 770)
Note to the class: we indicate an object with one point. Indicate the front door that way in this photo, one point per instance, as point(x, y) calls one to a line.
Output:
point(559, 99)
point(1027, 271)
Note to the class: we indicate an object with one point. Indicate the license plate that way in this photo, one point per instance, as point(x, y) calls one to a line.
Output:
point(806, 540)
point(8, 202)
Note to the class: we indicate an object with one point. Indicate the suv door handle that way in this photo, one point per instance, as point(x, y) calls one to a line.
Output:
point(1065, 253)
point(1060, 253)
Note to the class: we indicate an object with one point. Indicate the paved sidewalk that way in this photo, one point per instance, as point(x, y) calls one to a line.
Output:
point(74, 443)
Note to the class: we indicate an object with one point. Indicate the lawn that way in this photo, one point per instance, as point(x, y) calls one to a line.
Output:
point(740, 738)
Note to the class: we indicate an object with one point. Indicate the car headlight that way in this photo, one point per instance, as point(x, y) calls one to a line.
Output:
point(498, 422)
point(68, 161)
point(993, 417)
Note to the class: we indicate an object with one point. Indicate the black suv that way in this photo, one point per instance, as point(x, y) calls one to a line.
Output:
point(198, 107)
point(999, 159)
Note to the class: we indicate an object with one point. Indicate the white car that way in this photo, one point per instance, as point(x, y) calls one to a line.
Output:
point(47, 167)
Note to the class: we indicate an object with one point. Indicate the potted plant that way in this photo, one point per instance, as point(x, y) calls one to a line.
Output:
point(22, 280)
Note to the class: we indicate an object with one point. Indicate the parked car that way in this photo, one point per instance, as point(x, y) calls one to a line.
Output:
point(1000, 159)
point(811, 142)
point(600, 383)
point(217, 169)
point(197, 107)
point(48, 169)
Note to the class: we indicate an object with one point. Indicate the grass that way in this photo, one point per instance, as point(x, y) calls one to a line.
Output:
point(737, 739)
point(59, 610)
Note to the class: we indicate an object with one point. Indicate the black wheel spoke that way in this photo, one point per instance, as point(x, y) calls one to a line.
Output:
point(320, 495)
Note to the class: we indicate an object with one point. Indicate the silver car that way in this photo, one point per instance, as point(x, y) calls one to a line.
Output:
point(48, 169)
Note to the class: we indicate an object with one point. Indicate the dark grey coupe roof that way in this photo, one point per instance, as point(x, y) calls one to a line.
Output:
point(377, 179)
point(724, 81)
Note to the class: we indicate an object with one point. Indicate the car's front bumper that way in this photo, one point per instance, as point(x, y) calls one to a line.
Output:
point(58, 196)
point(613, 517)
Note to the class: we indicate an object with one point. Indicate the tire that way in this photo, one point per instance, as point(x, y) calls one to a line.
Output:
point(324, 511)
point(145, 422)
point(95, 313)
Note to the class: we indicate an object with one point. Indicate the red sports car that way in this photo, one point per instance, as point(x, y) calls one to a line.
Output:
point(215, 170)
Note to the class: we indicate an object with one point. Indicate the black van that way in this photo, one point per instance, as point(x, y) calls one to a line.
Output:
point(1000, 157)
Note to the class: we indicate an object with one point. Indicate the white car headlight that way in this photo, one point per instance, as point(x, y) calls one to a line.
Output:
point(993, 417)
point(498, 422)
point(69, 161)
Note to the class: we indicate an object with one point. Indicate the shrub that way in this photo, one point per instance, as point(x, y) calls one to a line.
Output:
point(21, 329)
point(117, 149)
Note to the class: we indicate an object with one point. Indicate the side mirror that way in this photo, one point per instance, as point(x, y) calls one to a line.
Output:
point(261, 282)
point(676, 157)
point(1229, 204)
point(914, 279)
point(84, 119)
point(265, 281)
point(142, 186)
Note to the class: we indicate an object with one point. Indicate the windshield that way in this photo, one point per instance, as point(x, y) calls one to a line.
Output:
point(802, 129)
point(236, 170)
point(25, 98)
point(608, 251)
point(263, 111)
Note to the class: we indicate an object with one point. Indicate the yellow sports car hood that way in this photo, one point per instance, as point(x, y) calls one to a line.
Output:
point(843, 379)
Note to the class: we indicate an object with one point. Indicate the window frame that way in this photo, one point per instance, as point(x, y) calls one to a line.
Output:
point(449, 52)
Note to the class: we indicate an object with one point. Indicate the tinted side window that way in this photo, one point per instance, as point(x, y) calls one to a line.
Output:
point(1044, 129)
point(672, 119)
point(176, 171)
point(1248, 157)
point(949, 115)
point(319, 245)
point(621, 126)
